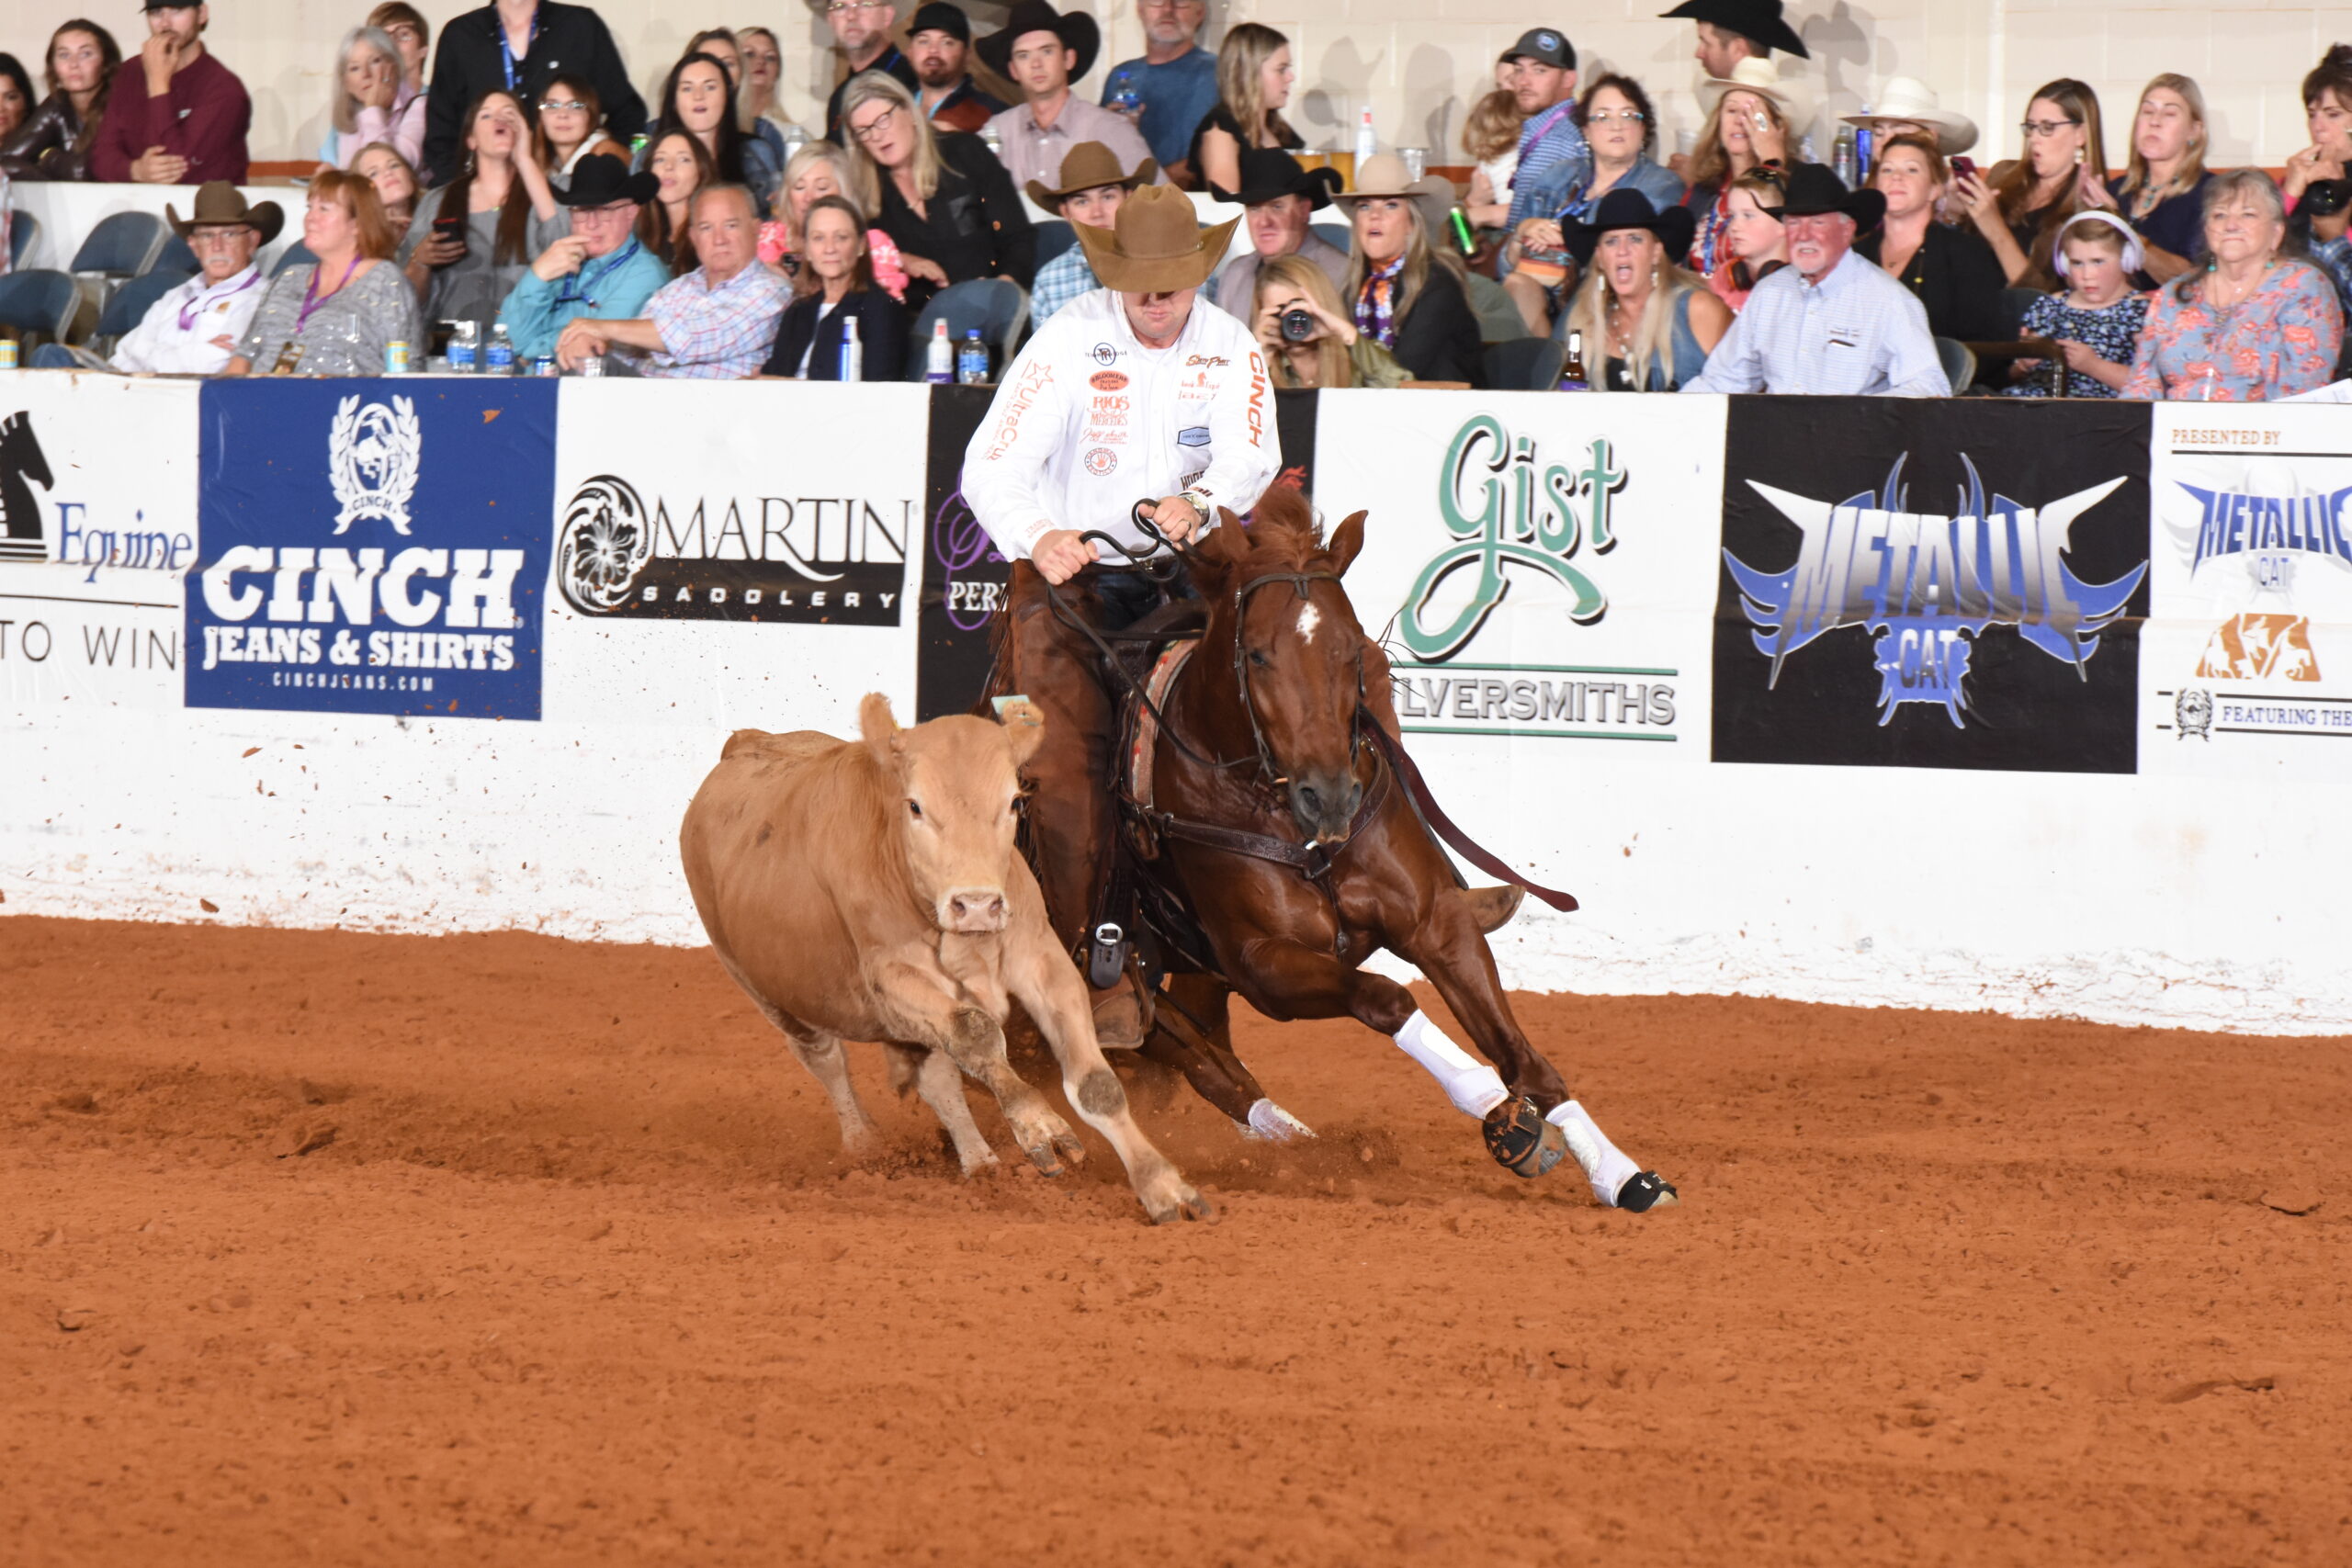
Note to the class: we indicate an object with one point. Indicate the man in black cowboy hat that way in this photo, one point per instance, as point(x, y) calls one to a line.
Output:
point(194, 330)
point(1042, 53)
point(1734, 30)
point(1092, 191)
point(939, 41)
point(1279, 196)
point(599, 269)
point(1828, 323)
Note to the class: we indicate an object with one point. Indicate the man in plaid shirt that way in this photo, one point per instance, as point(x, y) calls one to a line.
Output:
point(1092, 187)
point(1543, 77)
point(717, 323)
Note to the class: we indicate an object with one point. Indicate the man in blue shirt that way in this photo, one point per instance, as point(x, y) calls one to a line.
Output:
point(1830, 323)
point(1091, 191)
point(1544, 80)
point(599, 269)
point(1175, 82)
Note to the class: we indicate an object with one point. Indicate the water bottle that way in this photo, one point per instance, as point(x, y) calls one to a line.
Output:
point(1842, 159)
point(1366, 143)
point(1865, 139)
point(972, 360)
point(1124, 98)
point(939, 357)
point(500, 359)
point(1573, 377)
point(993, 142)
point(463, 340)
point(853, 364)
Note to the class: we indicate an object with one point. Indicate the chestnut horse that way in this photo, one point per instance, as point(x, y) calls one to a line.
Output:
point(1275, 827)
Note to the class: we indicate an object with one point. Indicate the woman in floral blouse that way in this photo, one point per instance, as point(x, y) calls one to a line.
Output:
point(2253, 326)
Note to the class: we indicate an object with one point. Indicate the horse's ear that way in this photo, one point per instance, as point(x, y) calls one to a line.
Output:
point(880, 728)
point(1347, 540)
point(1223, 546)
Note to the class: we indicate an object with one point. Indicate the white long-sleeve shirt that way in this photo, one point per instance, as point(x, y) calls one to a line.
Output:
point(179, 334)
point(1088, 422)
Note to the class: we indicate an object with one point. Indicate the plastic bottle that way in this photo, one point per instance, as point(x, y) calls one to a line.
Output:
point(499, 359)
point(852, 352)
point(939, 357)
point(1843, 159)
point(972, 360)
point(1124, 98)
point(1572, 374)
point(993, 141)
point(1865, 140)
point(463, 341)
point(1366, 143)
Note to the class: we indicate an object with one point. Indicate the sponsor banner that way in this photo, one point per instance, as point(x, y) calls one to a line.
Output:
point(375, 546)
point(2246, 666)
point(1947, 583)
point(1536, 567)
point(963, 575)
point(95, 533)
point(772, 502)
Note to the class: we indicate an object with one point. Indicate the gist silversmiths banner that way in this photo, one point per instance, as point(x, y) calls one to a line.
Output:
point(372, 546)
point(1537, 566)
point(770, 502)
point(2246, 666)
point(94, 532)
point(1935, 584)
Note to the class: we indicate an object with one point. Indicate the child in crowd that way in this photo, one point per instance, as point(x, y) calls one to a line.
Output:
point(2098, 316)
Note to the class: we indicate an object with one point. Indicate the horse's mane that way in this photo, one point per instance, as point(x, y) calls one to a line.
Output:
point(1281, 530)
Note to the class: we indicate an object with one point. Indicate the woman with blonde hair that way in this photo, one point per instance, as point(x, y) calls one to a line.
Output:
point(1401, 291)
point(945, 201)
point(2162, 189)
point(1646, 324)
point(818, 171)
point(1750, 125)
point(762, 69)
point(1253, 81)
point(1308, 340)
point(2026, 201)
point(373, 102)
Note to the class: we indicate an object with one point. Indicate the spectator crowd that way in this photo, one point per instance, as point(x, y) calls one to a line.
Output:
point(506, 181)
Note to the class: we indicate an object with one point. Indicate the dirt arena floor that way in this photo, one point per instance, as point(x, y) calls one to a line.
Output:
point(347, 1249)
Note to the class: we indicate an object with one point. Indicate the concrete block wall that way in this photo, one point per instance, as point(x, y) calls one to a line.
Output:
point(1420, 63)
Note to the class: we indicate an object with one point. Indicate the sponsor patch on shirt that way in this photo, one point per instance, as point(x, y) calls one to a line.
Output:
point(1101, 460)
point(1107, 381)
point(1197, 435)
point(1104, 354)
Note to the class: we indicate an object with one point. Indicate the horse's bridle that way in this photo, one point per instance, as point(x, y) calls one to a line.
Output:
point(1299, 580)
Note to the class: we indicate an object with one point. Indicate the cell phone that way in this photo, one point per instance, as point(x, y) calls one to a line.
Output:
point(1963, 167)
point(451, 229)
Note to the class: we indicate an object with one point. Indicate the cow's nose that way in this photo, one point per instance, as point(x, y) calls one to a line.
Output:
point(976, 909)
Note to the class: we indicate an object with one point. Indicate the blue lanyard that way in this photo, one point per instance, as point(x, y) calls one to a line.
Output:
point(506, 50)
point(576, 285)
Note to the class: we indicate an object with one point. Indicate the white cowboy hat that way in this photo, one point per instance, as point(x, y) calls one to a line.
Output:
point(1908, 100)
point(1761, 77)
point(1384, 174)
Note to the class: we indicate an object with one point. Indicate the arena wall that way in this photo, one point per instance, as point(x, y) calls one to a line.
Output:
point(1420, 63)
point(2105, 790)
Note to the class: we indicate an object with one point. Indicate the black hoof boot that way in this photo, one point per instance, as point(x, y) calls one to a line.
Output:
point(1647, 1191)
point(1522, 1141)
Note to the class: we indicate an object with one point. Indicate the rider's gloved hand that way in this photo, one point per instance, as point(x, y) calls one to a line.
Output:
point(1060, 554)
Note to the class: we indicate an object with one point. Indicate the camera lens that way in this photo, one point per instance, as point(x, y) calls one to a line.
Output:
point(1298, 326)
point(2325, 198)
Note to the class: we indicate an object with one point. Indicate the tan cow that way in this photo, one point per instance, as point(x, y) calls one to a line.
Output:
point(871, 891)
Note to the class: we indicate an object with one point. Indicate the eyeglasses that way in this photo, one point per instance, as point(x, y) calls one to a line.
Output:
point(2045, 126)
point(562, 106)
point(213, 238)
point(873, 127)
point(610, 209)
point(1175, 5)
point(1602, 117)
point(857, 6)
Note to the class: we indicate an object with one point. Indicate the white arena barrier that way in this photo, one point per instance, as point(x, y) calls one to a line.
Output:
point(1970, 705)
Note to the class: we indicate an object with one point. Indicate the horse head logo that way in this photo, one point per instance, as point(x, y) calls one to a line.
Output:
point(22, 466)
point(372, 454)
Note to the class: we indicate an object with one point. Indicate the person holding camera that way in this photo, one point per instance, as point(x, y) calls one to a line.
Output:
point(2318, 185)
point(1308, 340)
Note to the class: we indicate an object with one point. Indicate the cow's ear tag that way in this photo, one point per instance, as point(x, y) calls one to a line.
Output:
point(1004, 702)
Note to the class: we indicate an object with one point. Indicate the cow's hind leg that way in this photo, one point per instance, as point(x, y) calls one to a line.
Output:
point(942, 1087)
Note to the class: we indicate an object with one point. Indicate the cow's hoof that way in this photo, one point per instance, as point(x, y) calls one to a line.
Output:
point(1187, 1205)
point(1522, 1141)
point(987, 1164)
point(1646, 1192)
point(1066, 1143)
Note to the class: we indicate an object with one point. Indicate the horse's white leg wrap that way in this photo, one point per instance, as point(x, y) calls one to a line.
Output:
point(1473, 1086)
point(1605, 1165)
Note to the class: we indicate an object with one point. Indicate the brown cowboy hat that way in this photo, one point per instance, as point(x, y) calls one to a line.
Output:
point(1157, 245)
point(220, 202)
point(1090, 164)
point(1078, 31)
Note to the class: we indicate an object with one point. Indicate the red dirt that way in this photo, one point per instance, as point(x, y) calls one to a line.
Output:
point(582, 1278)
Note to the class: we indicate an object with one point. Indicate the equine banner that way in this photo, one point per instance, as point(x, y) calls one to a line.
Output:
point(1945, 583)
point(733, 553)
point(1536, 566)
point(94, 532)
point(963, 575)
point(372, 546)
point(2246, 666)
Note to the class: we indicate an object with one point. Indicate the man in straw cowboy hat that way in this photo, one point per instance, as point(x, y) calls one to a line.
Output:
point(1133, 391)
point(1092, 190)
point(1830, 322)
point(194, 330)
